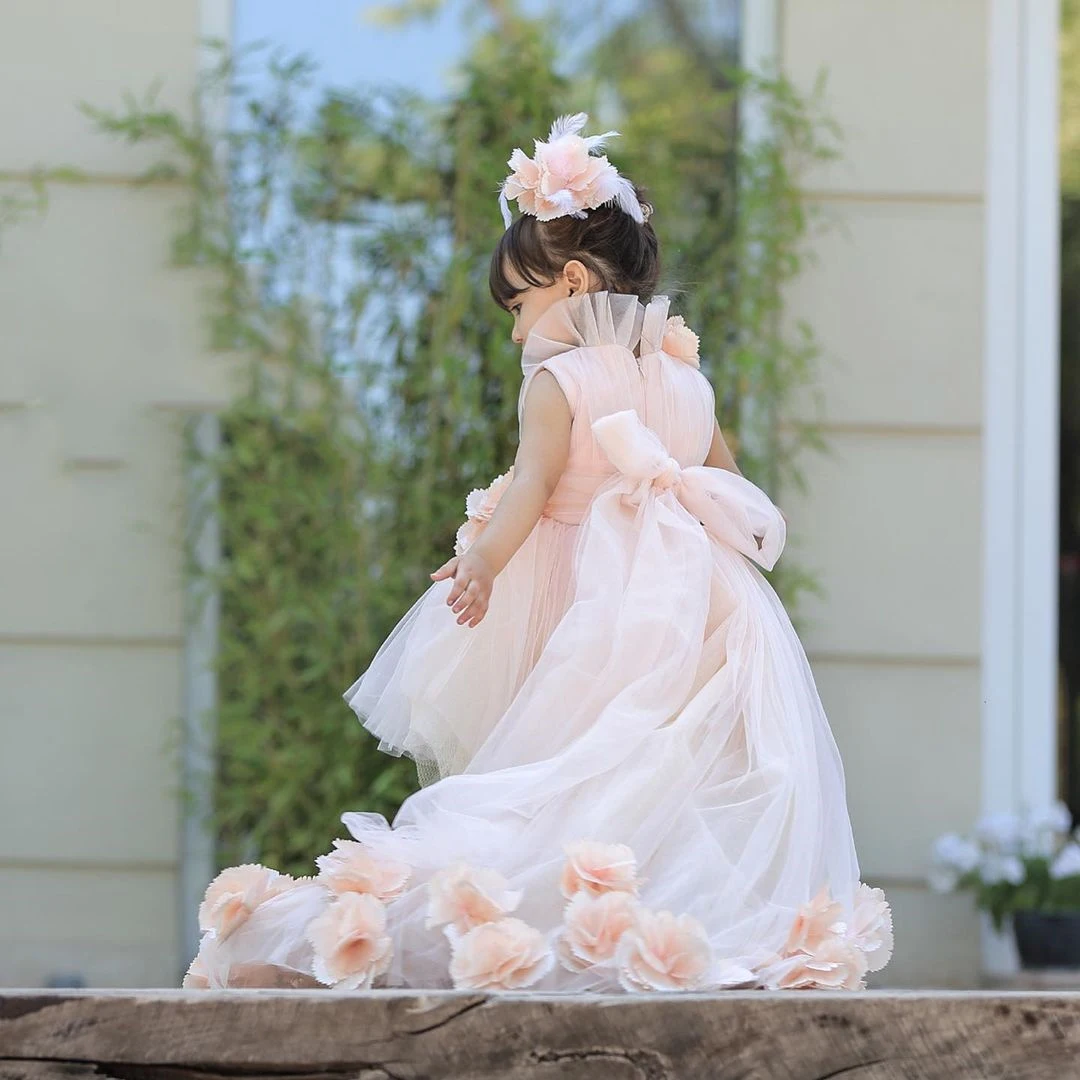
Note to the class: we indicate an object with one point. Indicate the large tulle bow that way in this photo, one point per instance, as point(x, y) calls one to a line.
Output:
point(729, 506)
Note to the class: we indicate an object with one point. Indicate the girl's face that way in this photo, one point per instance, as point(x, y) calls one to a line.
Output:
point(531, 301)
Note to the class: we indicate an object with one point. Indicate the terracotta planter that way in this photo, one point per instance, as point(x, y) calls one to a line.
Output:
point(1047, 940)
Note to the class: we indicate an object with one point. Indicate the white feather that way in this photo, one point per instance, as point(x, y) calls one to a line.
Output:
point(597, 141)
point(627, 199)
point(570, 124)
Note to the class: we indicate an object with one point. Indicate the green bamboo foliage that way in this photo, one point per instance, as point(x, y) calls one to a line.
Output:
point(377, 382)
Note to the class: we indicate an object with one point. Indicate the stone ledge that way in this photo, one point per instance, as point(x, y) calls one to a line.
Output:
point(444, 1035)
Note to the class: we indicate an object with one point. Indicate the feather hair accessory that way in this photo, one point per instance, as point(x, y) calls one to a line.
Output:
point(563, 177)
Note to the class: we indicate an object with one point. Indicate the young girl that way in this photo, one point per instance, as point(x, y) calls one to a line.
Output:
point(629, 781)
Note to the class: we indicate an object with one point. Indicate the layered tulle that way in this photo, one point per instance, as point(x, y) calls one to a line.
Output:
point(435, 689)
point(640, 789)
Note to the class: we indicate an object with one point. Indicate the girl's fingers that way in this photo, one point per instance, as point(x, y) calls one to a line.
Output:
point(473, 613)
point(461, 581)
point(467, 597)
point(445, 570)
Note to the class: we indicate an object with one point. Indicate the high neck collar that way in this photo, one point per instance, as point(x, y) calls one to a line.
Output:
point(595, 318)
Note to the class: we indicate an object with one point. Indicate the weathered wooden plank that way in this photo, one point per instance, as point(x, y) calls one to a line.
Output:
point(396, 1035)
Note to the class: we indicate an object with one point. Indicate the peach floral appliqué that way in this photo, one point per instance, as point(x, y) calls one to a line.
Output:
point(235, 893)
point(663, 951)
point(828, 953)
point(351, 868)
point(350, 942)
point(592, 927)
point(680, 341)
point(598, 868)
point(507, 954)
point(480, 505)
point(465, 897)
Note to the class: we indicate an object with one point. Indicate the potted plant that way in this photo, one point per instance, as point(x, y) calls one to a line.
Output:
point(1026, 866)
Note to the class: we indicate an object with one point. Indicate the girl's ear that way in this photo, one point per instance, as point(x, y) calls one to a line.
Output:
point(577, 276)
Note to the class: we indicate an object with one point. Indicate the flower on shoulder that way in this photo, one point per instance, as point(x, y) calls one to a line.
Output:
point(506, 954)
point(350, 942)
point(662, 951)
point(235, 893)
point(465, 897)
point(480, 505)
point(596, 868)
point(350, 867)
point(680, 341)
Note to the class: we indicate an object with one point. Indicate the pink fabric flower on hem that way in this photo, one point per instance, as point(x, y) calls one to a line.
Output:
point(828, 953)
point(821, 918)
point(350, 942)
point(680, 341)
point(504, 955)
point(835, 964)
point(350, 867)
point(201, 970)
point(235, 893)
point(663, 951)
point(872, 927)
point(465, 897)
point(592, 927)
point(598, 868)
point(480, 505)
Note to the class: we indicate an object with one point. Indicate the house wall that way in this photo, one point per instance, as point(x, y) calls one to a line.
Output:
point(891, 523)
point(102, 358)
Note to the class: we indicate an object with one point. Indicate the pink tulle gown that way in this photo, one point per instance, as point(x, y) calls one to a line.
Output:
point(630, 783)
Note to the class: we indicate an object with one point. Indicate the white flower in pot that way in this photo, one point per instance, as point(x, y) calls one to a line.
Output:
point(1025, 867)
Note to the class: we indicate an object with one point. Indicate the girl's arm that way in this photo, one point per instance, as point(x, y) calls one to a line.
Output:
point(720, 457)
point(541, 458)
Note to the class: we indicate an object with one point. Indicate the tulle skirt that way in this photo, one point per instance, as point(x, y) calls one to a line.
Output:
point(634, 715)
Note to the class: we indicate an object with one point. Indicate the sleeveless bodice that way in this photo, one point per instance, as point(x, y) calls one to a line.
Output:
point(605, 350)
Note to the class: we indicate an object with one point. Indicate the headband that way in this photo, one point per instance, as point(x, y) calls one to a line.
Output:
point(563, 178)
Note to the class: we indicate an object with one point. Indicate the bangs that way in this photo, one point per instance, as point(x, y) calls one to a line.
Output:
point(520, 251)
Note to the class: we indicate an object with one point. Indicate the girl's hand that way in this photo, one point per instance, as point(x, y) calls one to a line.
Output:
point(471, 591)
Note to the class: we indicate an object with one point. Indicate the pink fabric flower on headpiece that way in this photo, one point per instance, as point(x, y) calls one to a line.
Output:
point(563, 177)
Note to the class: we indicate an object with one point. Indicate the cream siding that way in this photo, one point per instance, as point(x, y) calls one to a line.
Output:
point(103, 355)
point(891, 523)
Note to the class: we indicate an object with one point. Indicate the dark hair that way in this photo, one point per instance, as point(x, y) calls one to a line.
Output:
point(624, 255)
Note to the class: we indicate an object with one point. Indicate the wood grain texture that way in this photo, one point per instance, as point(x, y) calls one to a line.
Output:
point(443, 1035)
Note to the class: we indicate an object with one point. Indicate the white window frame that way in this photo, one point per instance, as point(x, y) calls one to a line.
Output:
point(1020, 419)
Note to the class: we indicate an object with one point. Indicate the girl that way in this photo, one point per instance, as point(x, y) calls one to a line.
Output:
point(629, 781)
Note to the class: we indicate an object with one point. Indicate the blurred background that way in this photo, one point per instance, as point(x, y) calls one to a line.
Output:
point(249, 370)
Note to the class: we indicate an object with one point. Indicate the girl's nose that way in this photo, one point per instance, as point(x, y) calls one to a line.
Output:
point(516, 338)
